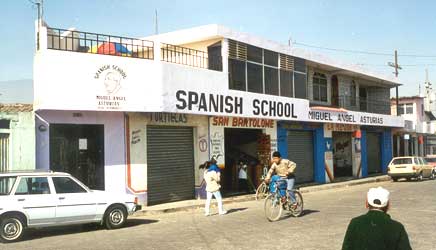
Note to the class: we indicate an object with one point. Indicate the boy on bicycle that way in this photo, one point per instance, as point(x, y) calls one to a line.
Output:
point(285, 169)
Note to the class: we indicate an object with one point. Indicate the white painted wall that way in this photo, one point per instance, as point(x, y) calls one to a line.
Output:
point(114, 155)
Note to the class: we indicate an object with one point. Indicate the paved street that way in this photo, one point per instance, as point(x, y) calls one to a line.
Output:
point(245, 227)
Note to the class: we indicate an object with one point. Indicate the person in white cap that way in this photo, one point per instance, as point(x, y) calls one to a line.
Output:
point(376, 229)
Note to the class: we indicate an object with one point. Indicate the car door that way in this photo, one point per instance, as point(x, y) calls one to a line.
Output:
point(426, 170)
point(35, 197)
point(75, 203)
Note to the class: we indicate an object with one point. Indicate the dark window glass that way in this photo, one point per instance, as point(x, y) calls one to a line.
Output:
point(319, 86)
point(255, 78)
point(5, 123)
point(300, 85)
point(271, 81)
point(286, 82)
point(66, 185)
point(409, 108)
point(271, 58)
point(254, 54)
point(6, 184)
point(299, 64)
point(402, 161)
point(400, 109)
point(28, 185)
point(215, 60)
point(237, 75)
point(353, 93)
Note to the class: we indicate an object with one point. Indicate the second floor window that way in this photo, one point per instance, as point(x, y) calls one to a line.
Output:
point(319, 87)
point(409, 108)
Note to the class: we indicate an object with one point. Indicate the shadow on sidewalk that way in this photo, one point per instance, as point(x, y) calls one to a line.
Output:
point(234, 210)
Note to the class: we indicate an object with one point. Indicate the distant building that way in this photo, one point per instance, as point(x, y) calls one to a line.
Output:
point(17, 137)
point(416, 138)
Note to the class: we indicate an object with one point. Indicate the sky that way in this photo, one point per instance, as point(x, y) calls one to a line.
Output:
point(369, 26)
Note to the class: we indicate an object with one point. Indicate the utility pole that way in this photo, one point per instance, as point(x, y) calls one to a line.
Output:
point(397, 67)
point(156, 29)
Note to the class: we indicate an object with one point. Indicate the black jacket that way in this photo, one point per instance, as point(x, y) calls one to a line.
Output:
point(375, 230)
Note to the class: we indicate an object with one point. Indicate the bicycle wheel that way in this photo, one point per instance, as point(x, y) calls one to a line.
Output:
point(297, 210)
point(261, 191)
point(273, 208)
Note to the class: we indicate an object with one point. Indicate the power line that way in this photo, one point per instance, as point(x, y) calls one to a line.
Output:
point(362, 51)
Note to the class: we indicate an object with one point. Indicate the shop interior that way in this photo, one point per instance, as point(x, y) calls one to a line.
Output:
point(342, 154)
point(243, 150)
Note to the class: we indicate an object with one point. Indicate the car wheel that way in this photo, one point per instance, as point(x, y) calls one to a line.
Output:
point(432, 176)
point(420, 177)
point(12, 229)
point(116, 217)
point(394, 179)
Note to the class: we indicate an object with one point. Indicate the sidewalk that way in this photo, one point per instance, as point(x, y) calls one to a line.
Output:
point(195, 204)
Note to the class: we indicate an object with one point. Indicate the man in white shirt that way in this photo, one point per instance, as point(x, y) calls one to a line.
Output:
point(243, 185)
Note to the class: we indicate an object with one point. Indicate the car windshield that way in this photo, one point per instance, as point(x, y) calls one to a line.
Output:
point(402, 161)
point(6, 184)
point(430, 159)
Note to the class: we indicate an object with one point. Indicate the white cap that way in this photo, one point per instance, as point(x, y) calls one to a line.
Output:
point(378, 197)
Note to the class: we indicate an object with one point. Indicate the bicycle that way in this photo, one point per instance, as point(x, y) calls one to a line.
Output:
point(276, 202)
point(262, 191)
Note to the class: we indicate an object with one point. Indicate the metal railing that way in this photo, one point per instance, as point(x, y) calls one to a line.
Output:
point(85, 42)
point(362, 104)
point(186, 56)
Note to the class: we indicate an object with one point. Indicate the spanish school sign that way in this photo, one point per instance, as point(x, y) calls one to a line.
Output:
point(240, 104)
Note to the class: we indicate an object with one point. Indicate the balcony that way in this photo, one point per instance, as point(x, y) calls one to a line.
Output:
point(85, 42)
point(93, 43)
point(362, 105)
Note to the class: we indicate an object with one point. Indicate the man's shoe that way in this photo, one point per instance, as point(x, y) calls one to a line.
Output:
point(223, 212)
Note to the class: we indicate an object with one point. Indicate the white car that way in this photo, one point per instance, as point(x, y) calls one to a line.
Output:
point(43, 199)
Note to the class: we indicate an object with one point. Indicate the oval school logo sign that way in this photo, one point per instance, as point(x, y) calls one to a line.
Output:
point(110, 78)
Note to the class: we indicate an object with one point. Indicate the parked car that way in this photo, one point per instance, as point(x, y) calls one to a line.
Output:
point(431, 160)
point(43, 199)
point(410, 167)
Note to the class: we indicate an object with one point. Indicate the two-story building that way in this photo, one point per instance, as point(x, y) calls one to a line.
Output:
point(141, 115)
point(417, 136)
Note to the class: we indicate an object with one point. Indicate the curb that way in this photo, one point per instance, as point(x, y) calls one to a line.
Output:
point(250, 197)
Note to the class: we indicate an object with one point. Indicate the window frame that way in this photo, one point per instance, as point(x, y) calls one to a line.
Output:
point(86, 189)
point(18, 183)
point(318, 85)
point(406, 106)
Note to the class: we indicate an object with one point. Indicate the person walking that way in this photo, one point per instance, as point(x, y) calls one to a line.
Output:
point(376, 229)
point(212, 178)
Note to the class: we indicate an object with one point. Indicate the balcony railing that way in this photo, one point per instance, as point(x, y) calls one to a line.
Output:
point(186, 56)
point(362, 104)
point(85, 42)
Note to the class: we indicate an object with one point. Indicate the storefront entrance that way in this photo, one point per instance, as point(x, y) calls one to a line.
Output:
point(240, 145)
point(342, 154)
point(374, 153)
point(78, 150)
point(170, 161)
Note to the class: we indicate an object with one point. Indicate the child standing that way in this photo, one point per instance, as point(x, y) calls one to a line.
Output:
point(212, 177)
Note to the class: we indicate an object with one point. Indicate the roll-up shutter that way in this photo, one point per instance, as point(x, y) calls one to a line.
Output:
point(373, 152)
point(300, 151)
point(170, 164)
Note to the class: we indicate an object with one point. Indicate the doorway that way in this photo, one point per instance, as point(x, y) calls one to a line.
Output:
point(240, 145)
point(79, 151)
point(342, 154)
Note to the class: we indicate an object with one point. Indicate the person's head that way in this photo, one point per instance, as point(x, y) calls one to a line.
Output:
point(276, 157)
point(377, 199)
